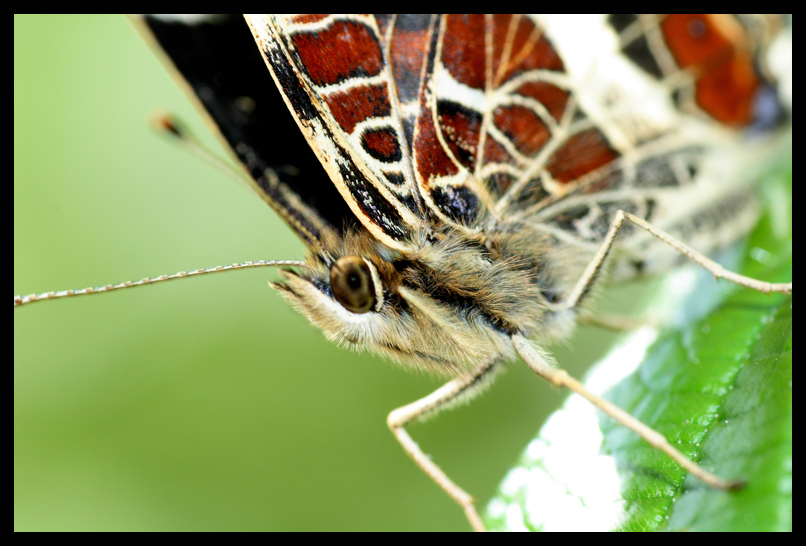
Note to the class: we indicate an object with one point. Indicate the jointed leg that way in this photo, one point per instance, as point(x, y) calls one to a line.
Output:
point(541, 364)
point(451, 393)
point(592, 271)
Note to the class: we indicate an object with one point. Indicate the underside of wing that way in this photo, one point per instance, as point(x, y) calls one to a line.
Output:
point(423, 119)
point(498, 121)
point(684, 100)
point(557, 119)
point(334, 74)
point(473, 120)
point(685, 103)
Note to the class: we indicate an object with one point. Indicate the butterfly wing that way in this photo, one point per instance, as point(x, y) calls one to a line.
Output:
point(418, 115)
point(457, 119)
point(690, 103)
point(335, 76)
point(429, 119)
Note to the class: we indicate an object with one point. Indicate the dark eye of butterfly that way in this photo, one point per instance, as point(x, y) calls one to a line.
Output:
point(352, 285)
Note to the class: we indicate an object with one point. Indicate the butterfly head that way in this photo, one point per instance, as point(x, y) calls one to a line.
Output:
point(443, 306)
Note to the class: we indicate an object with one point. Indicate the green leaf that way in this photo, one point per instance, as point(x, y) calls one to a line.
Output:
point(717, 383)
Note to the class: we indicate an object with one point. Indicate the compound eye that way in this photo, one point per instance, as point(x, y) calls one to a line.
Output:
point(353, 284)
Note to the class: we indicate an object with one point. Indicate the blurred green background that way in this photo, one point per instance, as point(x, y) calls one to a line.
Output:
point(204, 404)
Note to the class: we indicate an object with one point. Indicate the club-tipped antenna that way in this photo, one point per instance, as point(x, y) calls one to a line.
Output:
point(169, 126)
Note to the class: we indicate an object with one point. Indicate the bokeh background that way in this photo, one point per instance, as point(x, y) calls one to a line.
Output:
point(204, 404)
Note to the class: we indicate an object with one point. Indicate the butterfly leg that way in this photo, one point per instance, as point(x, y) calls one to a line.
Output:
point(543, 365)
point(591, 273)
point(450, 394)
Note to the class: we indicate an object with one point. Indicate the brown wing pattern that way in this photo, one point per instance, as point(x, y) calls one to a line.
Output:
point(428, 119)
point(334, 74)
point(439, 114)
point(496, 119)
point(711, 63)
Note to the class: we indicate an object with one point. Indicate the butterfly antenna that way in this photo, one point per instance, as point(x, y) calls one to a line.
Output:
point(30, 298)
point(169, 126)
